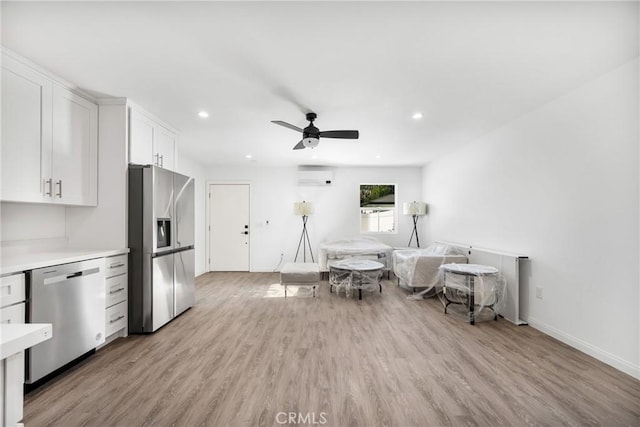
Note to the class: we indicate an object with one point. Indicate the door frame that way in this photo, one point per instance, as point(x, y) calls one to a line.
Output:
point(208, 219)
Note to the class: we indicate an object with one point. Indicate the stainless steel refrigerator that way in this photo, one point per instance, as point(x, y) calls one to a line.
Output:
point(161, 240)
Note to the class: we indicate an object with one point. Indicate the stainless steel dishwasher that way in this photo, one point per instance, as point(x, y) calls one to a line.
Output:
point(72, 298)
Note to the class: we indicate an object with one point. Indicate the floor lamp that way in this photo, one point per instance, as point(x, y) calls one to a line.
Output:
point(303, 209)
point(416, 210)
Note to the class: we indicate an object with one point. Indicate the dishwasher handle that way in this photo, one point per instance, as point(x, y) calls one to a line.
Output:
point(67, 276)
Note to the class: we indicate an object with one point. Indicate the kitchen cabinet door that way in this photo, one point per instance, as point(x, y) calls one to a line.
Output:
point(26, 133)
point(141, 130)
point(75, 149)
point(164, 146)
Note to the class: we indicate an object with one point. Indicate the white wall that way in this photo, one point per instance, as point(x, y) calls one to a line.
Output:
point(274, 190)
point(190, 167)
point(27, 222)
point(560, 185)
point(105, 225)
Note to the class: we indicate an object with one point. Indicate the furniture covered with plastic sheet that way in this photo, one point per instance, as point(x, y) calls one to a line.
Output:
point(358, 248)
point(419, 268)
point(358, 274)
point(477, 288)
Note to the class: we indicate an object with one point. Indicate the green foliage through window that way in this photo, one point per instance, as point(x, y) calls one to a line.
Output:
point(375, 195)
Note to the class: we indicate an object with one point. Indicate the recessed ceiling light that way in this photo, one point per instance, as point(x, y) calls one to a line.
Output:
point(417, 116)
point(248, 156)
point(203, 114)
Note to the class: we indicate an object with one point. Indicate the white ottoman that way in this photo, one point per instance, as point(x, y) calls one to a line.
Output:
point(300, 274)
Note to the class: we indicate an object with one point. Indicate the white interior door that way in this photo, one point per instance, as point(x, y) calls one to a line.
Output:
point(229, 227)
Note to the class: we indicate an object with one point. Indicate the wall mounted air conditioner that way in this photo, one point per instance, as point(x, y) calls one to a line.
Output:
point(314, 176)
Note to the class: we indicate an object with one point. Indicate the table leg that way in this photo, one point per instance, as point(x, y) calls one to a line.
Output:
point(472, 301)
point(444, 292)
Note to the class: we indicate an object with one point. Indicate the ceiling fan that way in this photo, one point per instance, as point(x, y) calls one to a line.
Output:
point(311, 134)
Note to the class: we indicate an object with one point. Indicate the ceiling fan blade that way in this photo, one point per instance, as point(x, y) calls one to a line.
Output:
point(287, 125)
point(299, 146)
point(343, 134)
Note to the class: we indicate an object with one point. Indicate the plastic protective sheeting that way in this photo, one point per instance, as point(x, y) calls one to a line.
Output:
point(363, 248)
point(351, 275)
point(475, 291)
point(420, 268)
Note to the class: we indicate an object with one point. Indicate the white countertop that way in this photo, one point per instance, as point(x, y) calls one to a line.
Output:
point(21, 261)
point(16, 337)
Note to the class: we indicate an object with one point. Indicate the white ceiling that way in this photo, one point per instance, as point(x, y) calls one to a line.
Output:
point(468, 67)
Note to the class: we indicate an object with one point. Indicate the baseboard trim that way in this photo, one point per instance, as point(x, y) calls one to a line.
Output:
point(585, 347)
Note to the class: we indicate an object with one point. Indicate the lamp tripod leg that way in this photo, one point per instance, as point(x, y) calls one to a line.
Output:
point(414, 232)
point(304, 229)
point(304, 241)
point(309, 242)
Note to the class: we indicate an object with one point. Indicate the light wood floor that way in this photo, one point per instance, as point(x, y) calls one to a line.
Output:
point(239, 358)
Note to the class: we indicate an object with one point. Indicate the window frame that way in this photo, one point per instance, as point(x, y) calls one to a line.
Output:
point(395, 210)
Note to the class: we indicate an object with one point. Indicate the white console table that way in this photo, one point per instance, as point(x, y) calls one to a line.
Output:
point(14, 339)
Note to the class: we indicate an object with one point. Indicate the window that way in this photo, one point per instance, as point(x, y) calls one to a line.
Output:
point(377, 208)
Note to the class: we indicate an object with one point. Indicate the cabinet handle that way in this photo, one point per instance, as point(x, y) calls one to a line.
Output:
point(59, 184)
point(116, 319)
point(116, 291)
point(48, 182)
point(117, 265)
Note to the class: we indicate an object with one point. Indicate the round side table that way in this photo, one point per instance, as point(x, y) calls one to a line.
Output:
point(470, 272)
point(355, 271)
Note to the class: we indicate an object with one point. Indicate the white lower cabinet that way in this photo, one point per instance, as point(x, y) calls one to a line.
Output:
point(116, 318)
point(12, 310)
point(12, 314)
point(117, 291)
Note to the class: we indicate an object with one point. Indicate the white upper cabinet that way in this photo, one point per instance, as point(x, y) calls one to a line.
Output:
point(49, 139)
point(141, 139)
point(27, 102)
point(75, 154)
point(150, 143)
point(165, 142)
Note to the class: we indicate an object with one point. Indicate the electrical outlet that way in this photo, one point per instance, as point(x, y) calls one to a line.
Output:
point(539, 292)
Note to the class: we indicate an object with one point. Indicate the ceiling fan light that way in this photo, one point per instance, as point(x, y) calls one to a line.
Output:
point(310, 142)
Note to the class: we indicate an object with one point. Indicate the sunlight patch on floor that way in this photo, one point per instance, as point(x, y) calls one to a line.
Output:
point(276, 290)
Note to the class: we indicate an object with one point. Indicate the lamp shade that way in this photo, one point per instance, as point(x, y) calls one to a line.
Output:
point(303, 208)
point(414, 208)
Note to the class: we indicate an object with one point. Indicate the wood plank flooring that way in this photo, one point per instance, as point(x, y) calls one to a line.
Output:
point(244, 356)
